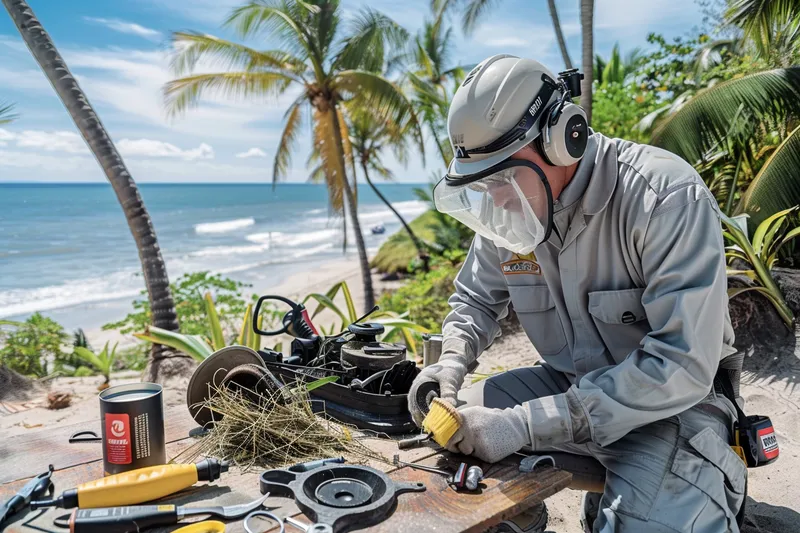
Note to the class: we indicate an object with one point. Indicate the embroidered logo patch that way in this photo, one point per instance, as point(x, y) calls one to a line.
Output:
point(522, 264)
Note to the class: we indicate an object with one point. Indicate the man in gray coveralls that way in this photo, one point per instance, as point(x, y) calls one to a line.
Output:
point(612, 255)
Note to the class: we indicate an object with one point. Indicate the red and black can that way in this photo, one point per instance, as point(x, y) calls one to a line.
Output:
point(132, 425)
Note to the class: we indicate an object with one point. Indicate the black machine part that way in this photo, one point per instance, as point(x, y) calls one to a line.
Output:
point(366, 353)
point(34, 489)
point(296, 322)
point(339, 496)
point(134, 518)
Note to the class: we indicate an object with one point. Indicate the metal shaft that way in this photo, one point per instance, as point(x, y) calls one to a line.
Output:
point(398, 462)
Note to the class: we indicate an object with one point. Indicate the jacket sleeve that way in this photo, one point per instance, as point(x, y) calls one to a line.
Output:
point(685, 297)
point(481, 299)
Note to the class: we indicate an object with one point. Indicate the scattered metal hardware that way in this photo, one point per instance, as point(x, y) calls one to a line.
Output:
point(311, 465)
point(336, 497)
point(263, 513)
point(464, 476)
point(529, 463)
point(36, 488)
point(413, 442)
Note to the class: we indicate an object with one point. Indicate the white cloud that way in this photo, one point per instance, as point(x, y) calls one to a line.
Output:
point(151, 148)
point(51, 141)
point(122, 26)
point(252, 152)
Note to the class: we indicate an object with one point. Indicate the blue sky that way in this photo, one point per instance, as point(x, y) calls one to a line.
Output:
point(119, 52)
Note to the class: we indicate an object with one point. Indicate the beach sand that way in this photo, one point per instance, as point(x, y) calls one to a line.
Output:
point(769, 387)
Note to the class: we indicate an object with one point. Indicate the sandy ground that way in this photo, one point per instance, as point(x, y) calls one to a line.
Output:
point(770, 387)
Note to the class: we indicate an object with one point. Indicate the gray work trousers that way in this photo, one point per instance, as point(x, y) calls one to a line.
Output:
point(675, 475)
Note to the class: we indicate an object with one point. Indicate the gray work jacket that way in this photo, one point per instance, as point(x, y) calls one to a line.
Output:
point(628, 297)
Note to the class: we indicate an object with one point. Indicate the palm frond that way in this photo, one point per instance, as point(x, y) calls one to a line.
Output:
point(7, 114)
point(384, 97)
point(372, 35)
point(283, 154)
point(777, 185)
point(227, 55)
point(705, 119)
point(475, 9)
point(184, 93)
point(761, 18)
point(278, 19)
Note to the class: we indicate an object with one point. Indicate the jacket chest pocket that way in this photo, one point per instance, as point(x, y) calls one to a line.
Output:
point(620, 318)
point(537, 313)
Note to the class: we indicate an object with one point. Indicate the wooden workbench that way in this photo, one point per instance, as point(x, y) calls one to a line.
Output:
point(504, 493)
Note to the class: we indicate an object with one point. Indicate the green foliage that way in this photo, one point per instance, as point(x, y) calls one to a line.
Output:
point(102, 362)
point(448, 233)
point(133, 357)
point(84, 372)
point(761, 253)
point(617, 110)
point(397, 253)
point(188, 292)
point(31, 345)
point(7, 113)
point(424, 297)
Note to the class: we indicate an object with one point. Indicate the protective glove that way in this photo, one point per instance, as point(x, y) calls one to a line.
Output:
point(448, 372)
point(491, 434)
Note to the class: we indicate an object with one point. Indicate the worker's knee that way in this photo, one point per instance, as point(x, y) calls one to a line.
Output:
point(514, 387)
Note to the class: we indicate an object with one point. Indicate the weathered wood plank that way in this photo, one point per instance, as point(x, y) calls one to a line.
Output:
point(28, 455)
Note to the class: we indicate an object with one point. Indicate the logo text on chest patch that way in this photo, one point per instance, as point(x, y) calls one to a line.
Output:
point(522, 264)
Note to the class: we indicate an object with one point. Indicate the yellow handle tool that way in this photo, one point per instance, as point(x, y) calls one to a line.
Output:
point(137, 486)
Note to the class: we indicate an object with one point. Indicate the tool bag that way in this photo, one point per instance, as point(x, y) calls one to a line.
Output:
point(754, 438)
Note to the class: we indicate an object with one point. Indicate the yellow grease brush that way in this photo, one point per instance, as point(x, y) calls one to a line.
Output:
point(441, 422)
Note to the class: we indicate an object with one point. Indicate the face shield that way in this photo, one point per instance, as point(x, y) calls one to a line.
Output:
point(510, 203)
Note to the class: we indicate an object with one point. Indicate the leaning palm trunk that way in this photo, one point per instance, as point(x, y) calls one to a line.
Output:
point(164, 362)
point(587, 30)
point(562, 43)
point(350, 202)
point(417, 243)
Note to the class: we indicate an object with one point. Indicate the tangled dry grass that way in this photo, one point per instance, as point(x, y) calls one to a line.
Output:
point(273, 430)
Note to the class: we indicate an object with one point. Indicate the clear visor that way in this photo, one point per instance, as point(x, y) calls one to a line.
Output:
point(512, 207)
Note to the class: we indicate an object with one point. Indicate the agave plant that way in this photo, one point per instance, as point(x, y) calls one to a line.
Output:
point(102, 362)
point(761, 254)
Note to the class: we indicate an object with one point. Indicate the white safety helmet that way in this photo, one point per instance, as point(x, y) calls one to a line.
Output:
point(504, 104)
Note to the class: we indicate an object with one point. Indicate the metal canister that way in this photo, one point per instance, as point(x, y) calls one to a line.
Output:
point(132, 422)
point(431, 348)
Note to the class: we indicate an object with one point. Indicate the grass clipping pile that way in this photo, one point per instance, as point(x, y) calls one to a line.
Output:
point(273, 430)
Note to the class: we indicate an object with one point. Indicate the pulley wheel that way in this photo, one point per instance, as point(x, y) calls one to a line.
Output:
point(343, 493)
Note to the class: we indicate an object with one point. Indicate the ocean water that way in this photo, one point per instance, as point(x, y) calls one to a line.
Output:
point(66, 247)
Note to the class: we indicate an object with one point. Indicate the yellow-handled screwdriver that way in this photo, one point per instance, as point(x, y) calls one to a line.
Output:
point(137, 486)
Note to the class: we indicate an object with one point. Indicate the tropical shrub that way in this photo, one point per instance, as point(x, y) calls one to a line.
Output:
point(30, 346)
point(189, 293)
point(397, 253)
point(102, 362)
point(424, 297)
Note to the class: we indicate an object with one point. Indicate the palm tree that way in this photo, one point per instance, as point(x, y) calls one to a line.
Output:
point(164, 362)
point(433, 80)
point(617, 68)
point(476, 8)
point(326, 66)
point(587, 46)
point(7, 114)
point(369, 137)
point(734, 116)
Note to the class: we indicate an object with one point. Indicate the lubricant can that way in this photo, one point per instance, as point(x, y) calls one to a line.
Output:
point(431, 348)
point(132, 424)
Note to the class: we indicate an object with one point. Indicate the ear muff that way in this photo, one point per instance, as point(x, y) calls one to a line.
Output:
point(564, 136)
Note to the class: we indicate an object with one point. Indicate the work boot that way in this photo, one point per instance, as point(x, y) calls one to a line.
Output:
point(532, 520)
point(590, 506)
